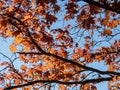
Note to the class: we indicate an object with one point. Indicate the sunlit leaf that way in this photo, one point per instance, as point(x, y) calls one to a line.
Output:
point(4, 63)
point(17, 81)
point(107, 32)
point(8, 33)
point(32, 2)
point(1, 4)
point(18, 39)
point(23, 67)
point(12, 48)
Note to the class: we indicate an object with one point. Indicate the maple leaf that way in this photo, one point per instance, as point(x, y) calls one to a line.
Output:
point(1, 4)
point(4, 63)
point(32, 2)
point(59, 42)
point(8, 33)
point(107, 32)
point(23, 67)
point(18, 39)
point(12, 48)
point(17, 81)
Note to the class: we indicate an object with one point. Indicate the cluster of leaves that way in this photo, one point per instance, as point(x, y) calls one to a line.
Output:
point(51, 54)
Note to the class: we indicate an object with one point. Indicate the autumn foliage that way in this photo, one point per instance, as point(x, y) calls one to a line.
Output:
point(59, 44)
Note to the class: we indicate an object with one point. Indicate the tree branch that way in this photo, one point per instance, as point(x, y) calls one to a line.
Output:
point(34, 42)
point(61, 82)
point(98, 4)
point(75, 63)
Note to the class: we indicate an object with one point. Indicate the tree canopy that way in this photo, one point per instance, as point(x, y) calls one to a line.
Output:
point(59, 44)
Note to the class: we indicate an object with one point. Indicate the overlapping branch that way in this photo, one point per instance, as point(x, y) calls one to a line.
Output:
point(67, 60)
point(42, 52)
point(106, 7)
point(61, 82)
point(75, 63)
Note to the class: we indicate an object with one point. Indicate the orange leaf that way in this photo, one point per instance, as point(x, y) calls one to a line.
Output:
point(44, 68)
point(61, 87)
point(86, 47)
point(115, 22)
point(23, 67)
point(10, 9)
point(4, 63)
point(1, 4)
point(32, 2)
point(83, 75)
point(75, 56)
point(1, 88)
point(107, 32)
point(114, 78)
point(27, 17)
point(8, 33)
point(18, 39)
point(17, 81)
point(12, 48)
